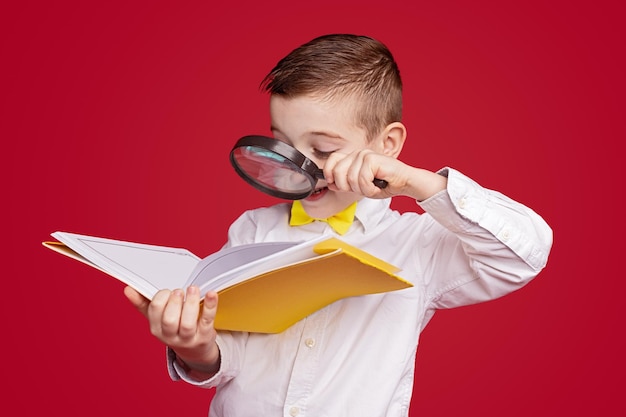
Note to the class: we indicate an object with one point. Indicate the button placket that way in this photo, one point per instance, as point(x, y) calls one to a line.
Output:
point(305, 367)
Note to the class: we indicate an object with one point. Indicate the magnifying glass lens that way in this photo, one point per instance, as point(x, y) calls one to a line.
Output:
point(272, 172)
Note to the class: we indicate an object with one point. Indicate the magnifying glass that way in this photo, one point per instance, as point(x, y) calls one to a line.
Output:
point(277, 168)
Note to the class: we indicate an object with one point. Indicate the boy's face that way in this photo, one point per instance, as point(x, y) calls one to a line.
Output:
point(318, 128)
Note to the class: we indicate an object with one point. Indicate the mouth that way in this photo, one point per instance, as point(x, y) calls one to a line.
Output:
point(317, 194)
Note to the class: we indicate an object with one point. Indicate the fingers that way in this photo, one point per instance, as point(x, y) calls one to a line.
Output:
point(189, 315)
point(209, 310)
point(178, 318)
point(355, 172)
point(171, 313)
point(156, 311)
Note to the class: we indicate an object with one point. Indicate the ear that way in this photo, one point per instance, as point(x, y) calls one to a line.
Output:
point(392, 139)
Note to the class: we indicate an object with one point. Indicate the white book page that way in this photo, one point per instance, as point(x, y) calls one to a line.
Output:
point(297, 253)
point(147, 268)
point(228, 259)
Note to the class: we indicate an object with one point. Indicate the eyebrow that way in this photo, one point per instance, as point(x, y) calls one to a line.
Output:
point(329, 135)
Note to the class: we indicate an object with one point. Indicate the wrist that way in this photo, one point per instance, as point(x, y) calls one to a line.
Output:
point(196, 370)
point(423, 184)
point(206, 366)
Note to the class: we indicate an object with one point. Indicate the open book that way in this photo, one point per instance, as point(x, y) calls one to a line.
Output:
point(262, 287)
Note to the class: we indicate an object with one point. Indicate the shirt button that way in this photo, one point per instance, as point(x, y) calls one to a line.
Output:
point(505, 235)
point(461, 203)
point(294, 411)
point(310, 342)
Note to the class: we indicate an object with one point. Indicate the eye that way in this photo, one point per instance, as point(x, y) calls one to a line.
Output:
point(321, 154)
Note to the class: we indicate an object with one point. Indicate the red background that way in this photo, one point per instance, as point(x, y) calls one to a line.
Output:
point(117, 118)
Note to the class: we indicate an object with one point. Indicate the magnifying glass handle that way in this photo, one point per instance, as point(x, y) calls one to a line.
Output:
point(380, 183)
point(319, 174)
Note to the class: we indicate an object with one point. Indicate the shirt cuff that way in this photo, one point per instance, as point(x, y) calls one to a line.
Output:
point(460, 206)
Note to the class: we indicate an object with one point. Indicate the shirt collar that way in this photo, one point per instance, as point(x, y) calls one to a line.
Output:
point(369, 212)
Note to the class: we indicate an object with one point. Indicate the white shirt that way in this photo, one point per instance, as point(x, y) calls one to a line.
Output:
point(356, 356)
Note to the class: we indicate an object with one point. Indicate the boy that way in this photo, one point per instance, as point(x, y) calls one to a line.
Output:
point(338, 100)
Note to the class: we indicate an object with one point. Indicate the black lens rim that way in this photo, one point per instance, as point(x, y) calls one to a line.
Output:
point(307, 167)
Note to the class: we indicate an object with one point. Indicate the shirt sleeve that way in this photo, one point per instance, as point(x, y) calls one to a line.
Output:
point(490, 245)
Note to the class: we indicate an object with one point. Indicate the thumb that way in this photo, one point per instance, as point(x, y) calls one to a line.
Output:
point(209, 309)
point(140, 302)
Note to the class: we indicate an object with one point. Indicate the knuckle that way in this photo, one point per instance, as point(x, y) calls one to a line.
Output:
point(187, 328)
point(207, 320)
point(169, 321)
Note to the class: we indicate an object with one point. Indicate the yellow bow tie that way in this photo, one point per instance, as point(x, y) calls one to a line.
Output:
point(340, 222)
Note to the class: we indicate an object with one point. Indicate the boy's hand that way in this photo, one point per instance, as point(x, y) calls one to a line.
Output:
point(355, 172)
point(182, 323)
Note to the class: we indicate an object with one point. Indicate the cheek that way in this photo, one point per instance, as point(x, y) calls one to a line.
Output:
point(377, 145)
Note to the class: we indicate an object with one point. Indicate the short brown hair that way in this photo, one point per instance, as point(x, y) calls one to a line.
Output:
point(339, 66)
